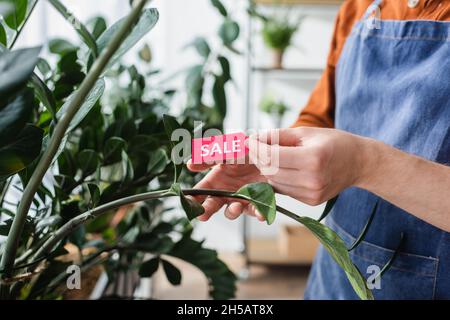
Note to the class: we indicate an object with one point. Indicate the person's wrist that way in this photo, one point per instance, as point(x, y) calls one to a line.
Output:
point(369, 160)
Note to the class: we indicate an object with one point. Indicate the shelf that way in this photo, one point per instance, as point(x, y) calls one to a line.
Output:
point(293, 73)
point(299, 2)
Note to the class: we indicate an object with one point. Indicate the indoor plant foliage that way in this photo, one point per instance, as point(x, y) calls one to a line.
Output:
point(274, 108)
point(53, 125)
point(277, 31)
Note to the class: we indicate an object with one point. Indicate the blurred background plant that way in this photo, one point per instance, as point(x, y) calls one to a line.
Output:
point(276, 109)
point(278, 29)
point(115, 146)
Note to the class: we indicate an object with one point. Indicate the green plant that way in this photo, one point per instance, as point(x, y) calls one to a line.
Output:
point(100, 156)
point(274, 108)
point(278, 30)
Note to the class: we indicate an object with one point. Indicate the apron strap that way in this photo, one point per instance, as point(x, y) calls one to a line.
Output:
point(373, 22)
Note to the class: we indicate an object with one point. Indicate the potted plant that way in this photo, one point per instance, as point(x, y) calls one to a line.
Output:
point(277, 32)
point(276, 109)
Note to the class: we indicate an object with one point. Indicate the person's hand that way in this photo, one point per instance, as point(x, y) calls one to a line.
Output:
point(309, 164)
point(229, 178)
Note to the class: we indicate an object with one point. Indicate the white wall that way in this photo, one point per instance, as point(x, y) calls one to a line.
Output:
point(182, 20)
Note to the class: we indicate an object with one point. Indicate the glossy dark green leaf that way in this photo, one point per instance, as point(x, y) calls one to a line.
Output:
point(192, 208)
point(338, 251)
point(16, 68)
point(61, 46)
point(88, 104)
point(127, 168)
point(112, 152)
point(97, 26)
point(44, 68)
point(79, 27)
point(15, 114)
point(44, 94)
point(88, 162)
point(148, 20)
point(219, 95)
point(15, 18)
point(170, 125)
point(229, 31)
point(262, 196)
point(173, 274)
point(220, 7)
point(158, 162)
point(94, 194)
point(3, 36)
point(65, 183)
point(20, 153)
point(149, 267)
point(328, 207)
point(221, 280)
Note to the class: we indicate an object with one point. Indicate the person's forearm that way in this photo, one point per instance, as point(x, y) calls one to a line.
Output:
point(416, 185)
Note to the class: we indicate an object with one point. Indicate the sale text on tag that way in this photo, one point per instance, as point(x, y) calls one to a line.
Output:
point(219, 148)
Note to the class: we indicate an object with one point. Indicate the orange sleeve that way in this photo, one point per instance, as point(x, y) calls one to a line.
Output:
point(319, 111)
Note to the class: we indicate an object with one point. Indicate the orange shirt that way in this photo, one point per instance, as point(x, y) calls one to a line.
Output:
point(319, 111)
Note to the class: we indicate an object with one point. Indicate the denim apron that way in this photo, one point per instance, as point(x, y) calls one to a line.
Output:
point(393, 85)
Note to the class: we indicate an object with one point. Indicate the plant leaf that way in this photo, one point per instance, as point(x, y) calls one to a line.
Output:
point(158, 162)
point(88, 162)
point(328, 207)
point(89, 103)
point(170, 125)
point(149, 267)
point(338, 251)
point(16, 68)
point(25, 148)
point(229, 31)
point(192, 208)
point(220, 7)
point(172, 273)
point(201, 45)
point(94, 194)
point(80, 28)
point(262, 196)
point(3, 36)
point(44, 94)
point(363, 233)
point(112, 152)
point(220, 97)
point(15, 18)
point(147, 21)
point(61, 46)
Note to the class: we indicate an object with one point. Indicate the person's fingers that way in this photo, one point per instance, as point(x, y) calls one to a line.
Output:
point(302, 194)
point(284, 137)
point(234, 210)
point(276, 156)
point(211, 206)
point(198, 167)
point(251, 211)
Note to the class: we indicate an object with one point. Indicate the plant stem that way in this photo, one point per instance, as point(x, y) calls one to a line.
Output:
point(73, 224)
point(16, 36)
point(96, 71)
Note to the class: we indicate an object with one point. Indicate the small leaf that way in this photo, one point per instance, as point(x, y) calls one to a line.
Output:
point(127, 168)
point(172, 273)
point(170, 125)
point(192, 208)
point(220, 7)
point(262, 196)
point(61, 46)
point(229, 32)
point(98, 26)
point(44, 94)
point(220, 97)
point(88, 162)
point(94, 194)
point(112, 152)
point(202, 47)
point(158, 162)
point(149, 267)
point(146, 54)
point(226, 71)
point(3, 36)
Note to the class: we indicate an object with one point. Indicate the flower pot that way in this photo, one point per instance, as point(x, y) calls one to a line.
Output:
point(278, 55)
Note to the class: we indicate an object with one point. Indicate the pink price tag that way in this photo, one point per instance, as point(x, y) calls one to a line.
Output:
point(219, 148)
